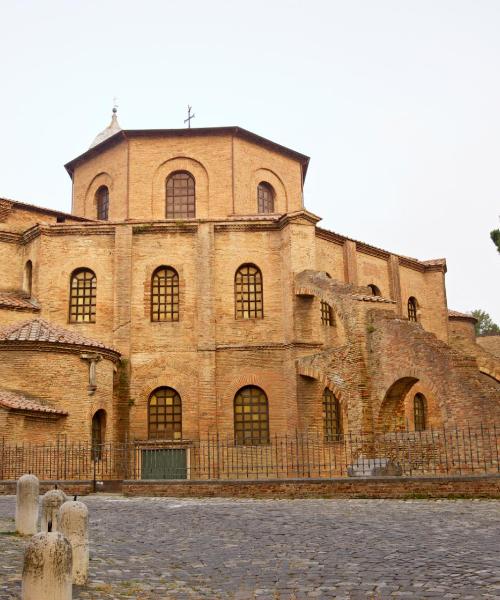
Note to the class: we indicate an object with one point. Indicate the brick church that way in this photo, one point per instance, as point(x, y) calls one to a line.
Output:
point(190, 292)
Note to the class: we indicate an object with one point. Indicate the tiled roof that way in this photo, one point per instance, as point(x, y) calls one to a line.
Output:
point(459, 315)
point(364, 298)
point(434, 261)
point(16, 301)
point(38, 330)
point(18, 401)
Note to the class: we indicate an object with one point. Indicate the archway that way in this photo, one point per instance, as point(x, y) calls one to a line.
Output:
point(392, 413)
point(98, 433)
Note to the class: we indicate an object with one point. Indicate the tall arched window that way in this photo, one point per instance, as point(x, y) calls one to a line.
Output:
point(102, 203)
point(28, 278)
point(265, 198)
point(98, 433)
point(412, 309)
point(251, 417)
point(327, 317)
point(332, 420)
point(165, 415)
point(165, 295)
point(181, 201)
point(82, 301)
point(248, 292)
point(419, 412)
point(374, 290)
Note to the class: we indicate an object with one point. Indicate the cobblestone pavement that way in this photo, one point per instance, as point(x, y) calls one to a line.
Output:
point(153, 548)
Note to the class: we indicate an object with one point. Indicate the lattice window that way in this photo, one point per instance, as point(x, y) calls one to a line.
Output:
point(332, 420)
point(165, 295)
point(412, 309)
point(327, 317)
point(102, 199)
point(165, 415)
point(265, 198)
point(419, 412)
point(251, 417)
point(248, 293)
point(181, 201)
point(82, 301)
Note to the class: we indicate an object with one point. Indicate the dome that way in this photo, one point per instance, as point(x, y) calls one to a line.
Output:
point(110, 130)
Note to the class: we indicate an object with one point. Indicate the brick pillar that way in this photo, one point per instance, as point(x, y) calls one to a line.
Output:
point(395, 283)
point(350, 264)
point(121, 319)
point(207, 399)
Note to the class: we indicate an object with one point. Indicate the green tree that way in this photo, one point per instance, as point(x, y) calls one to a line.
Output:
point(495, 236)
point(484, 325)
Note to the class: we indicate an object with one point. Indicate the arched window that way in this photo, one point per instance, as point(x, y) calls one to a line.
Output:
point(165, 295)
point(102, 202)
point(181, 203)
point(248, 293)
point(374, 290)
point(251, 417)
point(419, 412)
point(327, 317)
point(28, 278)
point(412, 309)
point(82, 301)
point(332, 420)
point(265, 198)
point(98, 433)
point(165, 415)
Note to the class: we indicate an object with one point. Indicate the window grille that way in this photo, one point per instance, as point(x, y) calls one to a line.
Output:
point(327, 317)
point(102, 203)
point(251, 417)
point(412, 309)
point(165, 415)
point(165, 295)
point(248, 293)
point(419, 412)
point(332, 421)
point(181, 202)
point(265, 198)
point(83, 289)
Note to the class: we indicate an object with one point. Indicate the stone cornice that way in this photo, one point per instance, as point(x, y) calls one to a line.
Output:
point(10, 237)
point(269, 346)
point(175, 227)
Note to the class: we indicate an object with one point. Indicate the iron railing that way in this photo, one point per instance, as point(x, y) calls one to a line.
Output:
point(445, 451)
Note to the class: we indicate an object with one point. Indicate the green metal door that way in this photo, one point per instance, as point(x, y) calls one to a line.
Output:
point(164, 463)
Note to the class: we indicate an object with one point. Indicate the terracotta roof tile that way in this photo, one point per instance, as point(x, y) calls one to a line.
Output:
point(38, 330)
point(364, 298)
point(18, 401)
point(459, 315)
point(17, 301)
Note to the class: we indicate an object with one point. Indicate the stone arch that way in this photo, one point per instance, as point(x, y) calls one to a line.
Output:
point(180, 163)
point(313, 373)
point(270, 177)
point(490, 372)
point(101, 179)
point(396, 409)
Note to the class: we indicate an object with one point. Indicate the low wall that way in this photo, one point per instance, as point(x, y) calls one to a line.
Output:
point(81, 488)
point(473, 486)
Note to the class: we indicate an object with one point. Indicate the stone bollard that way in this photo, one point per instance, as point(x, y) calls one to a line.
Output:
point(27, 492)
point(73, 524)
point(47, 568)
point(51, 501)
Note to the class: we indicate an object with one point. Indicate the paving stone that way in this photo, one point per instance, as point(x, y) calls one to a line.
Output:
point(166, 549)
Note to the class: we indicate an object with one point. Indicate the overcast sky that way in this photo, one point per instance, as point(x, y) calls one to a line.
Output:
point(397, 103)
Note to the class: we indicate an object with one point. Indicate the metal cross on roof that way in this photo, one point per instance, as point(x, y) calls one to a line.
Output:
point(189, 117)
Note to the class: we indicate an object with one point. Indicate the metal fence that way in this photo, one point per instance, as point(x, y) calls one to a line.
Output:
point(447, 451)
